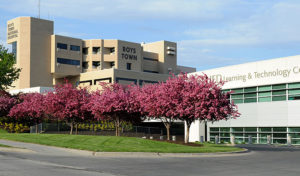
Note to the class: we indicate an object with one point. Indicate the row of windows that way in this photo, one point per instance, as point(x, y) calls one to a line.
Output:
point(279, 92)
point(68, 61)
point(149, 71)
point(150, 59)
point(97, 49)
point(96, 64)
point(254, 129)
point(65, 47)
point(259, 134)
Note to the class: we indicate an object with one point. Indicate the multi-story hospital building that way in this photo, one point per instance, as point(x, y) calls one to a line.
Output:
point(47, 59)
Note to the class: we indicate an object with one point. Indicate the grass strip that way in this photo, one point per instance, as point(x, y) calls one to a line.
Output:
point(113, 144)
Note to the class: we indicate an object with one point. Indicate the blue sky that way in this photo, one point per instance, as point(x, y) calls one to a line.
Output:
point(209, 33)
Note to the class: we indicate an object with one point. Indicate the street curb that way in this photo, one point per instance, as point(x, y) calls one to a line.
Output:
point(153, 154)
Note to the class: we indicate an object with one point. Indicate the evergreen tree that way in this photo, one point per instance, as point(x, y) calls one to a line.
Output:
point(8, 73)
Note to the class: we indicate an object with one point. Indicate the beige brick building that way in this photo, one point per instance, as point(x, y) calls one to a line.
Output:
point(47, 59)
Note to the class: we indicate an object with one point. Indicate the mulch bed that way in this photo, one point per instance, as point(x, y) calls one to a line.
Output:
point(181, 143)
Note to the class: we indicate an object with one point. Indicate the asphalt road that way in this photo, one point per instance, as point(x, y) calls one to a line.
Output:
point(40, 160)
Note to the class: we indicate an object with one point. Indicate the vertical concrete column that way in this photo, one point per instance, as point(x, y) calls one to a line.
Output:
point(216, 139)
point(289, 140)
point(269, 139)
point(201, 139)
point(101, 54)
point(250, 139)
point(232, 139)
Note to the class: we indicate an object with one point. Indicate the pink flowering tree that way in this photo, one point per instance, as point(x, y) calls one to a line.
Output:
point(155, 104)
point(6, 103)
point(196, 97)
point(31, 109)
point(67, 103)
point(115, 102)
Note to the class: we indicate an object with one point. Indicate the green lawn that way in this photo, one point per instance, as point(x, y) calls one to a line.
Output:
point(113, 144)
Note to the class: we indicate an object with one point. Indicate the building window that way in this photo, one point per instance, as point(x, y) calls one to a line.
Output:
point(149, 71)
point(68, 61)
point(85, 65)
point(96, 50)
point(62, 46)
point(128, 66)
point(112, 50)
point(267, 93)
point(85, 51)
point(150, 59)
point(74, 48)
point(112, 64)
point(14, 50)
point(96, 64)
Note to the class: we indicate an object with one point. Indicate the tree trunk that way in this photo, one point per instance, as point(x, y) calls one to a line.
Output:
point(168, 126)
point(94, 129)
point(117, 126)
point(36, 128)
point(71, 125)
point(187, 135)
point(76, 128)
point(168, 130)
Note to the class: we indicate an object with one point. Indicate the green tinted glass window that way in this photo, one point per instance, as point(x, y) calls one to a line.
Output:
point(225, 129)
point(294, 129)
point(279, 129)
point(250, 100)
point(279, 135)
point(264, 94)
point(250, 129)
point(279, 141)
point(233, 96)
point(214, 129)
point(294, 91)
point(264, 99)
point(263, 140)
point(296, 141)
point(264, 88)
point(294, 97)
point(279, 92)
point(238, 134)
point(250, 95)
point(294, 85)
point(279, 98)
point(225, 139)
point(238, 101)
point(214, 134)
point(239, 129)
point(278, 86)
point(265, 129)
point(237, 90)
point(264, 135)
point(250, 134)
point(294, 135)
point(225, 134)
point(226, 90)
point(238, 140)
point(250, 89)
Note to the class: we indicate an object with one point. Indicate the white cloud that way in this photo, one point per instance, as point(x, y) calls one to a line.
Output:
point(276, 25)
point(273, 27)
